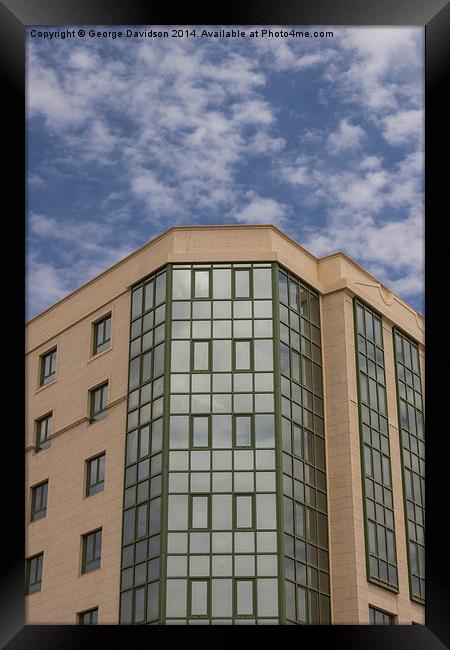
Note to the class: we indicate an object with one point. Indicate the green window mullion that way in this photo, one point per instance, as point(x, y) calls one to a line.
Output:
point(165, 447)
point(278, 443)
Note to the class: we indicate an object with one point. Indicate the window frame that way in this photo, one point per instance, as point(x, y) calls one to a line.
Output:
point(34, 511)
point(190, 614)
point(253, 614)
point(105, 343)
point(391, 618)
point(40, 567)
point(244, 495)
point(81, 615)
point(46, 442)
point(88, 486)
point(84, 562)
point(95, 416)
point(44, 379)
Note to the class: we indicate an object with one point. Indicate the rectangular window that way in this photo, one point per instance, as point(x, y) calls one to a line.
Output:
point(243, 430)
point(200, 431)
point(44, 427)
point(378, 617)
point(39, 501)
point(92, 549)
point(89, 617)
point(201, 355)
point(242, 356)
point(244, 511)
point(242, 284)
point(95, 475)
point(102, 334)
point(199, 598)
point(48, 367)
point(244, 602)
point(201, 284)
point(34, 574)
point(99, 399)
point(199, 515)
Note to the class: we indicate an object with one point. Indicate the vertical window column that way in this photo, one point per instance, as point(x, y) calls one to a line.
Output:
point(141, 537)
point(305, 520)
point(412, 443)
point(376, 462)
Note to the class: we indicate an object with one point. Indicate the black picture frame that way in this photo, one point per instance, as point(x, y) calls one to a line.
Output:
point(434, 15)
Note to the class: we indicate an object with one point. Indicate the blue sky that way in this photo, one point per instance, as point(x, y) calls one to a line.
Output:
point(321, 137)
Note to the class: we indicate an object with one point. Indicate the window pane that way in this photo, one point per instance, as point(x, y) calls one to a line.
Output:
point(199, 598)
point(244, 597)
point(200, 431)
point(221, 597)
point(178, 512)
point(221, 512)
point(283, 290)
point(201, 355)
point(153, 601)
point(264, 431)
point(176, 598)
point(262, 283)
point(179, 432)
point(267, 597)
point(181, 284)
point(221, 426)
point(244, 512)
point(180, 356)
point(222, 356)
point(265, 511)
point(263, 355)
point(136, 308)
point(160, 289)
point(243, 431)
point(201, 284)
point(242, 284)
point(200, 512)
point(242, 351)
point(222, 283)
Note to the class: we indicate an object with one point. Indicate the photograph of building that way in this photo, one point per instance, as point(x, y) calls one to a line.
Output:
point(223, 428)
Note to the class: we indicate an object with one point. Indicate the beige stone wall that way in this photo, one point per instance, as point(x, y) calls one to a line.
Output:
point(65, 591)
point(68, 325)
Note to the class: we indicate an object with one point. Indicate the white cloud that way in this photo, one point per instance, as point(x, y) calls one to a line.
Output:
point(44, 285)
point(347, 136)
point(403, 127)
point(295, 174)
point(261, 210)
point(159, 196)
point(370, 162)
point(263, 143)
point(381, 64)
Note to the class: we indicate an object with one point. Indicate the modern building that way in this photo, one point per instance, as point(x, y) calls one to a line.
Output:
point(224, 429)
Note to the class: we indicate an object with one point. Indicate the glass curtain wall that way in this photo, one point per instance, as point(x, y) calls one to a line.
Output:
point(222, 529)
point(203, 504)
